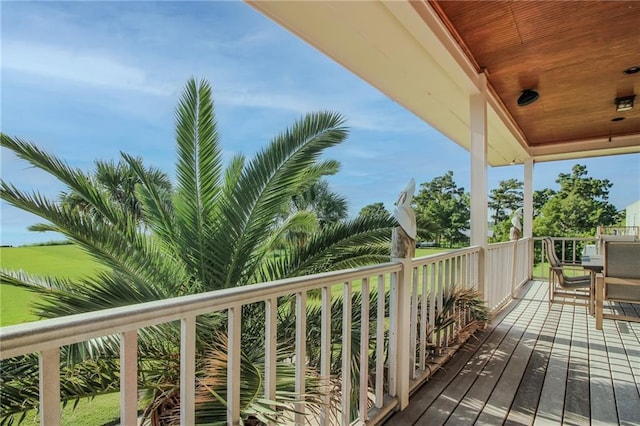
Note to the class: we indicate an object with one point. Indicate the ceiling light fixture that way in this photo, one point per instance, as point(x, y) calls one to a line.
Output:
point(632, 70)
point(624, 103)
point(527, 97)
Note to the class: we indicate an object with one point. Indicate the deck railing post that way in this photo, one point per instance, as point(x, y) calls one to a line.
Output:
point(514, 267)
point(401, 288)
point(481, 271)
point(49, 373)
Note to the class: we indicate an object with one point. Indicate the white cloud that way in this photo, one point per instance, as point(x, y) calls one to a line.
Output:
point(245, 97)
point(80, 66)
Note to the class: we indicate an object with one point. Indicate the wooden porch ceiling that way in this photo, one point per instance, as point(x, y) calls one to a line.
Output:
point(428, 55)
point(573, 54)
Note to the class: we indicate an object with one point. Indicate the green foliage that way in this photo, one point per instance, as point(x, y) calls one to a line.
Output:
point(578, 207)
point(443, 209)
point(505, 199)
point(49, 243)
point(316, 207)
point(217, 228)
point(374, 209)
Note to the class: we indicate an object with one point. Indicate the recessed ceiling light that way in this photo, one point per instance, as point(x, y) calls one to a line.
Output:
point(617, 119)
point(528, 96)
point(632, 70)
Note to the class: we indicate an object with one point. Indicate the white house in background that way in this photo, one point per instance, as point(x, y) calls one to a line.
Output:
point(633, 214)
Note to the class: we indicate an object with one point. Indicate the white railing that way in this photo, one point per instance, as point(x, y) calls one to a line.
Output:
point(507, 266)
point(48, 336)
point(414, 292)
point(433, 279)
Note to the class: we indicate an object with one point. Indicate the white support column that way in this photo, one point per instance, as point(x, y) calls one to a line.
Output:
point(479, 180)
point(527, 217)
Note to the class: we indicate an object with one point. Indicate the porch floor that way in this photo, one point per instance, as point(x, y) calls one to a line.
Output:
point(540, 365)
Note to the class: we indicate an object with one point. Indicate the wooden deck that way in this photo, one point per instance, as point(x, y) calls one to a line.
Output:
point(536, 365)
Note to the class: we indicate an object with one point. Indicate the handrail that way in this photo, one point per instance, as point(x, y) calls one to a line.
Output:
point(41, 335)
point(443, 256)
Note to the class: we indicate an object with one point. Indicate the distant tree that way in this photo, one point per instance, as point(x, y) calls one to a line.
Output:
point(118, 181)
point(443, 209)
point(578, 207)
point(540, 198)
point(313, 209)
point(505, 199)
point(329, 207)
point(374, 209)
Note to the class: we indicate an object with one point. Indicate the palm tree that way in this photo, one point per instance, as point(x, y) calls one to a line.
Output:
point(118, 181)
point(216, 229)
point(316, 207)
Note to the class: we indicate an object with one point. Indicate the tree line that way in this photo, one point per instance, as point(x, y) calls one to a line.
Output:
point(581, 204)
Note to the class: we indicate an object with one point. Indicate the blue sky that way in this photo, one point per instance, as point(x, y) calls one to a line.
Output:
point(86, 80)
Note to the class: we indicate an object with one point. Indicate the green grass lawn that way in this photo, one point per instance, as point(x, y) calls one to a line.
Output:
point(60, 261)
point(68, 261)
point(99, 411)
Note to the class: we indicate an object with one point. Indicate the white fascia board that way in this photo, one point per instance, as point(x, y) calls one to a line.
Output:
point(568, 150)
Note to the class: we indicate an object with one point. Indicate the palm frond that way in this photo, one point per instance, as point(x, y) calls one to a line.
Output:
point(269, 181)
point(73, 178)
point(43, 227)
point(358, 242)
point(198, 172)
point(119, 245)
point(233, 173)
point(155, 200)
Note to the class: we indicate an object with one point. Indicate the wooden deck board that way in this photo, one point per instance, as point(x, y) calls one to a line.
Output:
point(537, 365)
point(626, 393)
point(526, 400)
point(551, 405)
point(603, 408)
point(437, 400)
point(576, 409)
point(497, 407)
point(472, 403)
point(470, 407)
point(631, 342)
